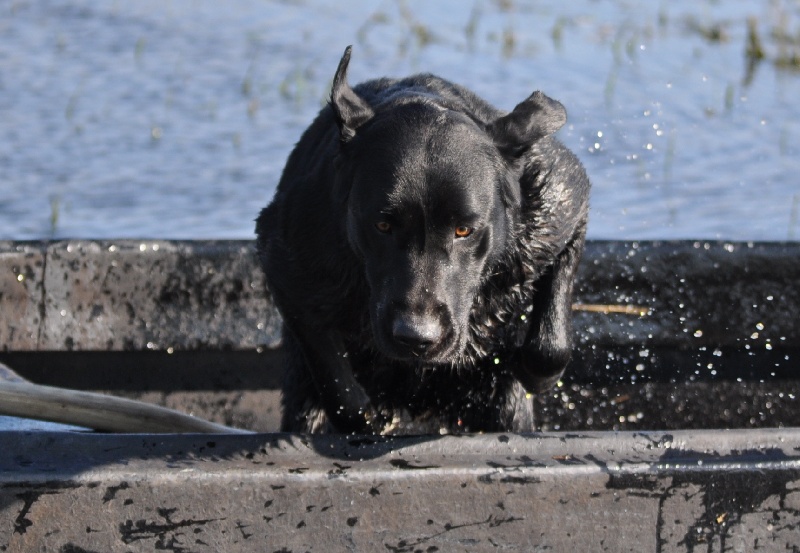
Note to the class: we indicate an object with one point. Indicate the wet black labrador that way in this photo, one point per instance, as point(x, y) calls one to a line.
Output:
point(421, 247)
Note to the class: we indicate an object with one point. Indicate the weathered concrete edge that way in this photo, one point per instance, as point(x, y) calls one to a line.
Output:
point(595, 491)
point(50, 456)
point(123, 295)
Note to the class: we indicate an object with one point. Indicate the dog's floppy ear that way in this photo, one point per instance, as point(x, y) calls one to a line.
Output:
point(350, 109)
point(533, 119)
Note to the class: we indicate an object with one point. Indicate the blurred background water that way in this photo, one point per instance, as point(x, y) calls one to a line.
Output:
point(173, 119)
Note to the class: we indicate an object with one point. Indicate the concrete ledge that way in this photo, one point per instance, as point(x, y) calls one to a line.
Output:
point(134, 295)
point(697, 294)
point(683, 491)
point(21, 295)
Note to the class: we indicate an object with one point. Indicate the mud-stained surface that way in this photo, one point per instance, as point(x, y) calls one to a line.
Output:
point(623, 492)
point(151, 295)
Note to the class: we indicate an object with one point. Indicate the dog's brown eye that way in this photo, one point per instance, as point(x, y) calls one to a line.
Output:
point(463, 232)
point(383, 227)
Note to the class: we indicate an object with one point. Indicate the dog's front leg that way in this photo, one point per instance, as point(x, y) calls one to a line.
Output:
point(548, 346)
point(344, 400)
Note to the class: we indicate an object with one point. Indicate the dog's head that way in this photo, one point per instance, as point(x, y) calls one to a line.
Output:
point(432, 201)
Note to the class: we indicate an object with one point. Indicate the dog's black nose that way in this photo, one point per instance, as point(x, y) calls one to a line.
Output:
point(418, 334)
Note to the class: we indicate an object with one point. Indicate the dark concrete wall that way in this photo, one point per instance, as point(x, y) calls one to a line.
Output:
point(661, 327)
point(156, 295)
point(133, 295)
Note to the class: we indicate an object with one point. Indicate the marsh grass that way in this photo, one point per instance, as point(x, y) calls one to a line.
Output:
point(422, 34)
point(669, 156)
point(55, 214)
point(610, 87)
point(375, 19)
point(794, 216)
point(730, 96)
point(783, 49)
point(138, 50)
point(509, 42)
point(297, 85)
point(789, 61)
point(471, 28)
point(559, 28)
point(714, 32)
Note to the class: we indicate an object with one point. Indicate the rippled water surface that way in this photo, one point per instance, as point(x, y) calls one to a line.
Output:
point(173, 119)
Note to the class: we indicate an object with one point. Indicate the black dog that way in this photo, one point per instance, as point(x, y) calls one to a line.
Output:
point(421, 247)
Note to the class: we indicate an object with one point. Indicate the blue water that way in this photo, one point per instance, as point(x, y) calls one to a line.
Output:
point(172, 119)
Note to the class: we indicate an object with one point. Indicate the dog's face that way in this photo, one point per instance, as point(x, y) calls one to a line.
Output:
point(431, 204)
point(432, 199)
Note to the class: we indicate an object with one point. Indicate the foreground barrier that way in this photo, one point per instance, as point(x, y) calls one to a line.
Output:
point(675, 341)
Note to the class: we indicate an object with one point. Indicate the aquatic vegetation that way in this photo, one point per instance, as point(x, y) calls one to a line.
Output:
point(716, 31)
point(794, 217)
point(297, 85)
point(55, 212)
point(783, 49)
point(138, 51)
point(754, 50)
point(421, 33)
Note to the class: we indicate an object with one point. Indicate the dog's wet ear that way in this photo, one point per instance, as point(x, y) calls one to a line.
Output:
point(533, 119)
point(350, 109)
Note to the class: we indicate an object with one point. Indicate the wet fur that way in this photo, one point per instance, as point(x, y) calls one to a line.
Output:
point(503, 313)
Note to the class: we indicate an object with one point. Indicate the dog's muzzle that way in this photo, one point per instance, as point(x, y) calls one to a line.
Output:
point(410, 334)
point(417, 334)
